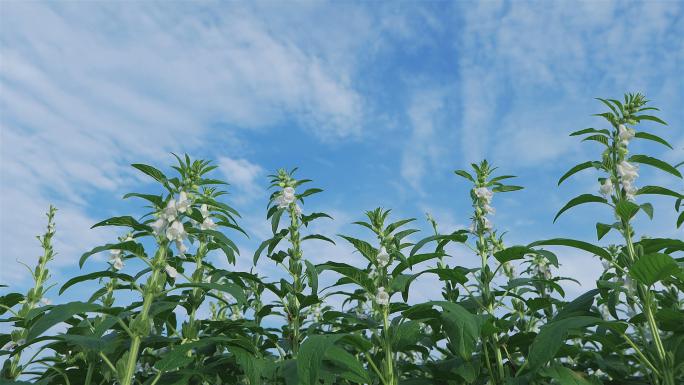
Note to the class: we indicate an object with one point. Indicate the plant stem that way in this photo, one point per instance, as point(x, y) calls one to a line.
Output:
point(150, 293)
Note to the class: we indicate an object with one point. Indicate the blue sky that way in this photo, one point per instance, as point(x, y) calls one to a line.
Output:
point(377, 102)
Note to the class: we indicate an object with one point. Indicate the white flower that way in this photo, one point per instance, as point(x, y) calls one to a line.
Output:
point(175, 232)
point(605, 313)
point(288, 195)
point(297, 210)
point(171, 271)
point(627, 171)
point(128, 238)
point(208, 224)
point(182, 249)
point(607, 187)
point(471, 228)
point(630, 285)
point(114, 253)
point(487, 223)
point(183, 202)
point(117, 263)
point(204, 210)
point(373, 274)
point(170, 212)
point(383, 257)
point(625, 134)
point(158, 226)
point(630, 189)
point(382, 297)
point(489, 209)
point(9, 346)
point(606, 265)
point(280, 202)
point(483, 194)
point(45, 301)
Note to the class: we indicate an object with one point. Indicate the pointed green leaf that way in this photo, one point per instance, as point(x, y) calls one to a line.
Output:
point(657, 163)
point(652, 268)
point(581, 199)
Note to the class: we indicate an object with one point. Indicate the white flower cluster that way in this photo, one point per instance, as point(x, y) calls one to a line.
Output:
point(543, 269)
point(287, 197)
point(169, 223)
point(626, 171)
point(115, 259)
point(383, 257)
point(171, 271)
point(484, 196)
point(207, 223)
point(628, 174)
point(382, 297)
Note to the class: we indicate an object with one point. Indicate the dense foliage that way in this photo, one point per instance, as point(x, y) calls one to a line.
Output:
point(493, 325)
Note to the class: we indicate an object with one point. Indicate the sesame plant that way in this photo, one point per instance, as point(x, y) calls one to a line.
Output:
point(163, 303)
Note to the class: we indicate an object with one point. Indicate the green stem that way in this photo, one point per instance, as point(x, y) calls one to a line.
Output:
point(151, 289)
point(389, 362)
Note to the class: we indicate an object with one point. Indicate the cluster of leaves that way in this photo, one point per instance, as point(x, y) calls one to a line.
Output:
point(493, 325)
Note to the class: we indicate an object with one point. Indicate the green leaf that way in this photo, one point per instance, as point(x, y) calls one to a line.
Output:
point(312, 274)
point(648, 209)
point(151, 171)
point(590, 131)
point(652, 268)
point(310, 357)
point(552, 335)
point(597, 138)
point(626, 209)
point(414, 260)
point(125, 221)
point(649, 117)
point(461, 327)
point(577, 307)
point(565, 376)
point(156, 200)
point(130, 246)
point(596, 250)
point(680, 219)
point(612, 108)
point(236, 291)
point(95, 275)
point(507, 188)
point(657, 190)
point(657, 163)
point(318, 236)
point(578, 200)
point(655, 138)
point(368, 251)
point(602, 229)
point(578, 168)
point(459, 236)
point(57, 314)
point(512, 253)
point(464, 174)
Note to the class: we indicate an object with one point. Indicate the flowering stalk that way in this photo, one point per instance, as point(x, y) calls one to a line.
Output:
point(619, 191)
point(140, 325)
point(619, 185)
point(34, 297)
point(487, 243)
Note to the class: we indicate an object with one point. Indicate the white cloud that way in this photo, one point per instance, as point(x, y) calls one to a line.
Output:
point(423, 147)
point(87, 89)
point(522, 72)
point(243, 174)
